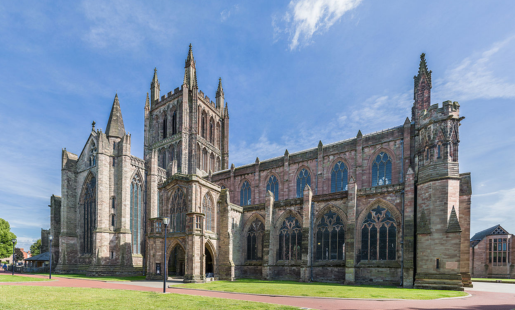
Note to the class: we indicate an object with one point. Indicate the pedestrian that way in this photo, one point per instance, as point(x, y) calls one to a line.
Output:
point(5, 267)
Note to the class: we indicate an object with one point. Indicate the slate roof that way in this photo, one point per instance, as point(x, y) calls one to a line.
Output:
point(494, 230)
point(41, 257)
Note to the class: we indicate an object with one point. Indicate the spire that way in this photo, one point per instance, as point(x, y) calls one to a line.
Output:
point(190, 73)
point(220, 90)
point(115, 126)
point(147, 104)
point(226, 111)
point(155, 87)
point(422, 72)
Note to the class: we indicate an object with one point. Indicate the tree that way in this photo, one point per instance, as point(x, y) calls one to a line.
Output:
point(18, 254)
point(6, 246)
point(35, 249)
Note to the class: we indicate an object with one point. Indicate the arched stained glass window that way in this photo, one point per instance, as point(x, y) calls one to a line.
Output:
point(339, 177)
point(273, 186)
point(245, 194)
point(88, 201)
point(382, 170)
point(330, 237)
point(255, 240)
point(379, 235)
point(178, 212)
point(303, 179)
point(136, 213)
point(290, 240)
point(207, 209)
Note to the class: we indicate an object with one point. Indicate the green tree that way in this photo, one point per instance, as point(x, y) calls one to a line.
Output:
point(6, 246)
point(35, 249)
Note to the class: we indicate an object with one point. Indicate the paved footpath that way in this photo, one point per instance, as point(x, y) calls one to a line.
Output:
point(479, 300)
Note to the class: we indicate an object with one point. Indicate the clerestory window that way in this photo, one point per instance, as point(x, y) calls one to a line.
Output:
point(339, 177)
point(382, 170)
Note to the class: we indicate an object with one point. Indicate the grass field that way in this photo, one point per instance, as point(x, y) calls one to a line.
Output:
point(321, 290)
point(492, 280)
point(37, 297)
point(83, 276)
point(11, 278)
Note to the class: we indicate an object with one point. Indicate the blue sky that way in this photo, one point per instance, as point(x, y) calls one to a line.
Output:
point(294, 72)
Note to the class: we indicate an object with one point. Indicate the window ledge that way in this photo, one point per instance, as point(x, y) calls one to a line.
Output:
point(289, 263)
point(379, 264)
point(329, 263)
point(253, 263)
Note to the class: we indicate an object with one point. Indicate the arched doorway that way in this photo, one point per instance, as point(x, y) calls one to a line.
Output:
point(209, 264)
point(176, 262)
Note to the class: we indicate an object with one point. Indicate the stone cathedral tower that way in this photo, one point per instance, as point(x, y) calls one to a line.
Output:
point(442, 238)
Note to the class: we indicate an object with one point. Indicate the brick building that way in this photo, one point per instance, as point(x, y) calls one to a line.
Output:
point(388, 207)
point(491, 253)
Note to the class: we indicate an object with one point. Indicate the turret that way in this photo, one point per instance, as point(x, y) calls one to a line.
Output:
point(225, 138)
point(422, 90)
point(154, 88)
point(146, 127)
point(190, 73)
point(219, 95)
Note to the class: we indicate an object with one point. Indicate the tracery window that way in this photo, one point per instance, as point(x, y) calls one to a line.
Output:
point(339, 177)
point(207, 209)
point(303, 179)
point(89, 215)
point(499, 251)
point(379, 235)
point(211, 135)
point(290, 240)
point(255, 240)
point(136, 213)
point(273, 186)
point(178, 212)
point(330, 237)
point(245, 194)
point(382, 170)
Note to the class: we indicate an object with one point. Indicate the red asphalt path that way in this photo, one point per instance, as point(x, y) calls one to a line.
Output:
point(478, 300)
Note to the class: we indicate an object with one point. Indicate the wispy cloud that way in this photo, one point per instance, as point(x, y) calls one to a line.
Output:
point(121, 24)
point(475, 78)
point(493, 208)
point(306, 17)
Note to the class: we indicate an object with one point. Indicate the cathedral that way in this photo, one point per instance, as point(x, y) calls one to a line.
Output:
point(389, 207)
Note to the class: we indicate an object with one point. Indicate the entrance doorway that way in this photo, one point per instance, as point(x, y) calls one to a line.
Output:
point(176, 262)
point(209, 264)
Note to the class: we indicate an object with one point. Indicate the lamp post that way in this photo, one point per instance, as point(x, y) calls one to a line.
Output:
point(165, 274)
point(50, 271)
point(14, 242)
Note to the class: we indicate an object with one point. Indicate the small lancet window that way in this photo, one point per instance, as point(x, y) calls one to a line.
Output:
point(245, 194)
point(439, 151)
point(273, 186)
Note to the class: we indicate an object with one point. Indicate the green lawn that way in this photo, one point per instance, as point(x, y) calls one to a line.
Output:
point(11, 278)
point(321, 290)
point(83, 276)
point(492, 280)
point(39, 297)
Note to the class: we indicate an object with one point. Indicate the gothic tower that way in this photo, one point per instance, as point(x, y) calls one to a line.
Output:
point(439, 233)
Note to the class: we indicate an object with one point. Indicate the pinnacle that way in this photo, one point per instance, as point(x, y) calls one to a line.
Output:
point(220, 90)
point(115, 127)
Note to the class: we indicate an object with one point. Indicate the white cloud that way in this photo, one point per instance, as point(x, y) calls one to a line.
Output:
point(493, 208)
point(121, 24)
point(224, 15)
point(305, 17)
point(475, 77)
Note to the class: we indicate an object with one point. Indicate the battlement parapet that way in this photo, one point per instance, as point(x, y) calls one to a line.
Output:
point(436, 113)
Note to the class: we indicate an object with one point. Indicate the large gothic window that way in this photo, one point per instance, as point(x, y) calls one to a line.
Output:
point(245, 194)
point(207, 209)
point(379, 235)
point(136, 213)
point(273, 186)
point(255, 240)
point(330, 237)
point(178, 212)
point(303, 179)
point(382, 170)
point(339, 177)
point(88, 200)
point(290, 240)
